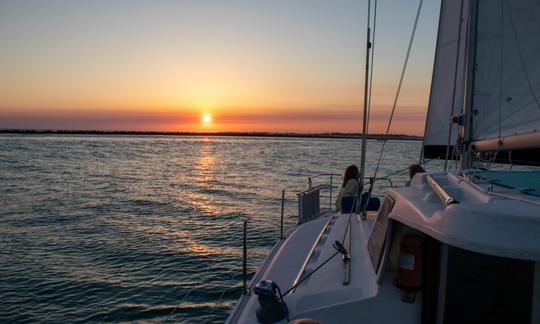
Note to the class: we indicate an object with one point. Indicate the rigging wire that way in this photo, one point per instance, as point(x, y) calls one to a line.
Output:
point(501, 52)
point(424, 162)
point(404, 69)
point(366, 87)
point(371, 64)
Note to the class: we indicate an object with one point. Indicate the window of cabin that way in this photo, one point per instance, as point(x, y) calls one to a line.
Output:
point(378, 235)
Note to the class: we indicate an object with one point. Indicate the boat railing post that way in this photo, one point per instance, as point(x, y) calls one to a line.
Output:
point(244, 263)
point(331, 189)
point(282, 210)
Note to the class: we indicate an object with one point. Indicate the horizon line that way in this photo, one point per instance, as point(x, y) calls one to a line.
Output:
point(222, 133)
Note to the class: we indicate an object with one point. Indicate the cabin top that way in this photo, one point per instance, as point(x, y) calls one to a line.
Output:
point(487, 212)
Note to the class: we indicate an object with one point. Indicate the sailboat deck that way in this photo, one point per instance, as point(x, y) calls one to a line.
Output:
point(526, 181)
point(323, 295)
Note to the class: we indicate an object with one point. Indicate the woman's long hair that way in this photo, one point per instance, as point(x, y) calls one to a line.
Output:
point(350, 173)
point(414, 169)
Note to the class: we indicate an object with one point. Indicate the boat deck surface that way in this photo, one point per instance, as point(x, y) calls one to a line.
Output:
point(528, 181)
point(323, 296)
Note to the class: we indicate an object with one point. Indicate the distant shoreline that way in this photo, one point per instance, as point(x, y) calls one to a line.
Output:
point(238, 134)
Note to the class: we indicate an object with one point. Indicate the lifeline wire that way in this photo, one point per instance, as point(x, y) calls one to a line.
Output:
point(183, 300)
point(192, 287)
point(220, 299)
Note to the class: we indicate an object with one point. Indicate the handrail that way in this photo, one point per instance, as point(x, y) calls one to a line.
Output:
point(318, 175)
point(382, 178)
point(329, 186)
point(310, 254)
point(324, 175)
point(443, 195)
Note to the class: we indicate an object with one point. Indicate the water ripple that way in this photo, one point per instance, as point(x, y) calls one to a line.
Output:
point(119, 229)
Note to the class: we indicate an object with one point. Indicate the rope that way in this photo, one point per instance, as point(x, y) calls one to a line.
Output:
point(484, 160)
point(311, 273)
point(404, 69)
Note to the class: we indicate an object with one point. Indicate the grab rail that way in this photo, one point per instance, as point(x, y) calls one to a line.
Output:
point(310, 254)
point(443, 195)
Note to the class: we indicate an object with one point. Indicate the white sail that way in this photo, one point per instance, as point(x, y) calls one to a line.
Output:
point(448, 82)
point(506, 95)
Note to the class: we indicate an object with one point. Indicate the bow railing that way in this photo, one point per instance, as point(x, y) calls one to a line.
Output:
point(321, 194)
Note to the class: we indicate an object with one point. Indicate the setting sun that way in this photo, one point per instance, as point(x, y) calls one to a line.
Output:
point(206, 118)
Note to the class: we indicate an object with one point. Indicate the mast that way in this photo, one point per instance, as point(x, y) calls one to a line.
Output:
point(366, 106)
point(467, 115)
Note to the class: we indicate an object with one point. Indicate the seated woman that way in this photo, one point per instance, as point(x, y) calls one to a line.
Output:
point(349, 187)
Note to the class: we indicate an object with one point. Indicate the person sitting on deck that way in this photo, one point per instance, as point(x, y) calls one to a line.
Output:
point(413, 169)
point(349, 187)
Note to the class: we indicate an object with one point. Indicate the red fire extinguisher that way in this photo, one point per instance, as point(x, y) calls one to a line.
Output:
point(410, 264)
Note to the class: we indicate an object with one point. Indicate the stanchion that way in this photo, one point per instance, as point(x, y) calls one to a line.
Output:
point(282, 210)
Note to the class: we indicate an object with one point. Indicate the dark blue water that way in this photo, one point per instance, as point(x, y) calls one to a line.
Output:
point(120, 229)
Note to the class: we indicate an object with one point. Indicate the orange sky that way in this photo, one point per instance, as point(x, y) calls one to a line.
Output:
point(253, 66)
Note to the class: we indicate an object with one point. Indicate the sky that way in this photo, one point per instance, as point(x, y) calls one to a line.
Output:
point(247, 65)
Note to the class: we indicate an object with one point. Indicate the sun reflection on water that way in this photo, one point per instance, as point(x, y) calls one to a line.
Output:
point(204, 166)
point(188, 244)
point(204, 175)
point(200, 249)
point(203, 203)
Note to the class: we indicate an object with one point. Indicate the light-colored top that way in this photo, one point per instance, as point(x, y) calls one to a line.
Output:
point(350, 190)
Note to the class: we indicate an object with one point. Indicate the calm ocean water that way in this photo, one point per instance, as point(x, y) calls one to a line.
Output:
point(148, 229)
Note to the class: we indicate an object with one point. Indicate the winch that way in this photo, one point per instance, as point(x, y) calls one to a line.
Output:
point(271, 307)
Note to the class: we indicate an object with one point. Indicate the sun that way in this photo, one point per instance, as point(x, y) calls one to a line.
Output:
point(206, 118)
